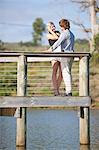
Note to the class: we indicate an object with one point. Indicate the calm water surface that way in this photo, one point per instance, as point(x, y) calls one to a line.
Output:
point(50, 130)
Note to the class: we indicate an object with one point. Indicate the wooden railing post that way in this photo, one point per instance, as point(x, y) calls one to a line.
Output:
point(21, 91)
point(84, 91)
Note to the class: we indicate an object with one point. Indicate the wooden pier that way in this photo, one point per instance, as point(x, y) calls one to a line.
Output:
point(21, 101)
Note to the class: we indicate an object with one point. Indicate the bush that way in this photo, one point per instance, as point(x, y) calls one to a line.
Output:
point(95, 58)
point(97, 42)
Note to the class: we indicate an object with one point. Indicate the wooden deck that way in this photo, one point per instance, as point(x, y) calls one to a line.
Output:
point(83, 101)
point(40, 101)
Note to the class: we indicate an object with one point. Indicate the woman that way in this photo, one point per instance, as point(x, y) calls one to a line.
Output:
point(66, 41)
point(52, 37)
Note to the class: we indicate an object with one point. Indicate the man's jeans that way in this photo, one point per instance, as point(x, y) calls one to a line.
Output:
point(66, 64)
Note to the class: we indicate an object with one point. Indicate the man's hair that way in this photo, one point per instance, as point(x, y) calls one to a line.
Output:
point(64, 23)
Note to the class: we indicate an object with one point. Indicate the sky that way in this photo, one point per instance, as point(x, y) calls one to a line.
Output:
point(17, 16)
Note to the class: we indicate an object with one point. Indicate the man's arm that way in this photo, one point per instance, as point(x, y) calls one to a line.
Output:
point(59, 41)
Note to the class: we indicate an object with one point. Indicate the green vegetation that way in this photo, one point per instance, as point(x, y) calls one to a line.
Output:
point(82, 45)
point(22, 47)
point(95, 55)
point(97, 42)
point(8, 79)
point(38, 29)
point(95, 59)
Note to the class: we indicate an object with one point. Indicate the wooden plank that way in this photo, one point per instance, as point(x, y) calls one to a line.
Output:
point(44, 54)
point(8, 59)
point(61, 54)
point(44, 101)
point(44, 59)
point(29, 59)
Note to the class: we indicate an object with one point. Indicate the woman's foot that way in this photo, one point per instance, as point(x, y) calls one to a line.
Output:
point(56, 93)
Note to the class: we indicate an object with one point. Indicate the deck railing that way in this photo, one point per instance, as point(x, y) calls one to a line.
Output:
point(83, 100)
point(39, 76)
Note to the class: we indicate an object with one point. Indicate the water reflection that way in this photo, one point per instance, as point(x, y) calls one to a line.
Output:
point(20, 148)
point(50, 130)
point(84, 147)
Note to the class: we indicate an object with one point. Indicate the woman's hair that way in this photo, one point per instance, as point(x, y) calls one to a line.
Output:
point(64, 23)
point(50, 23)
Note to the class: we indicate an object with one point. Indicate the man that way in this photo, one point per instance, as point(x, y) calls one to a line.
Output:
point(66, 40)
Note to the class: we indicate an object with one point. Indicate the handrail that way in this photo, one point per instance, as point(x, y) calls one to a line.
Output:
point(45, 54)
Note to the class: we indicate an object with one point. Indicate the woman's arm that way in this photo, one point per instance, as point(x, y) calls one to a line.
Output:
point(52, 35)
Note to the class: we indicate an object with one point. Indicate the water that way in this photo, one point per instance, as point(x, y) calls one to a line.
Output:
point(50, 130)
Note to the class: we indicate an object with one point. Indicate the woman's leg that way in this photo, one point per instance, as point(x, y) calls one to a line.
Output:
point(60, 77)
point(55, 65)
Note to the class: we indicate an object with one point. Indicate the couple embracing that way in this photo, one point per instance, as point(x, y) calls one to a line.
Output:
point(61, 42)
